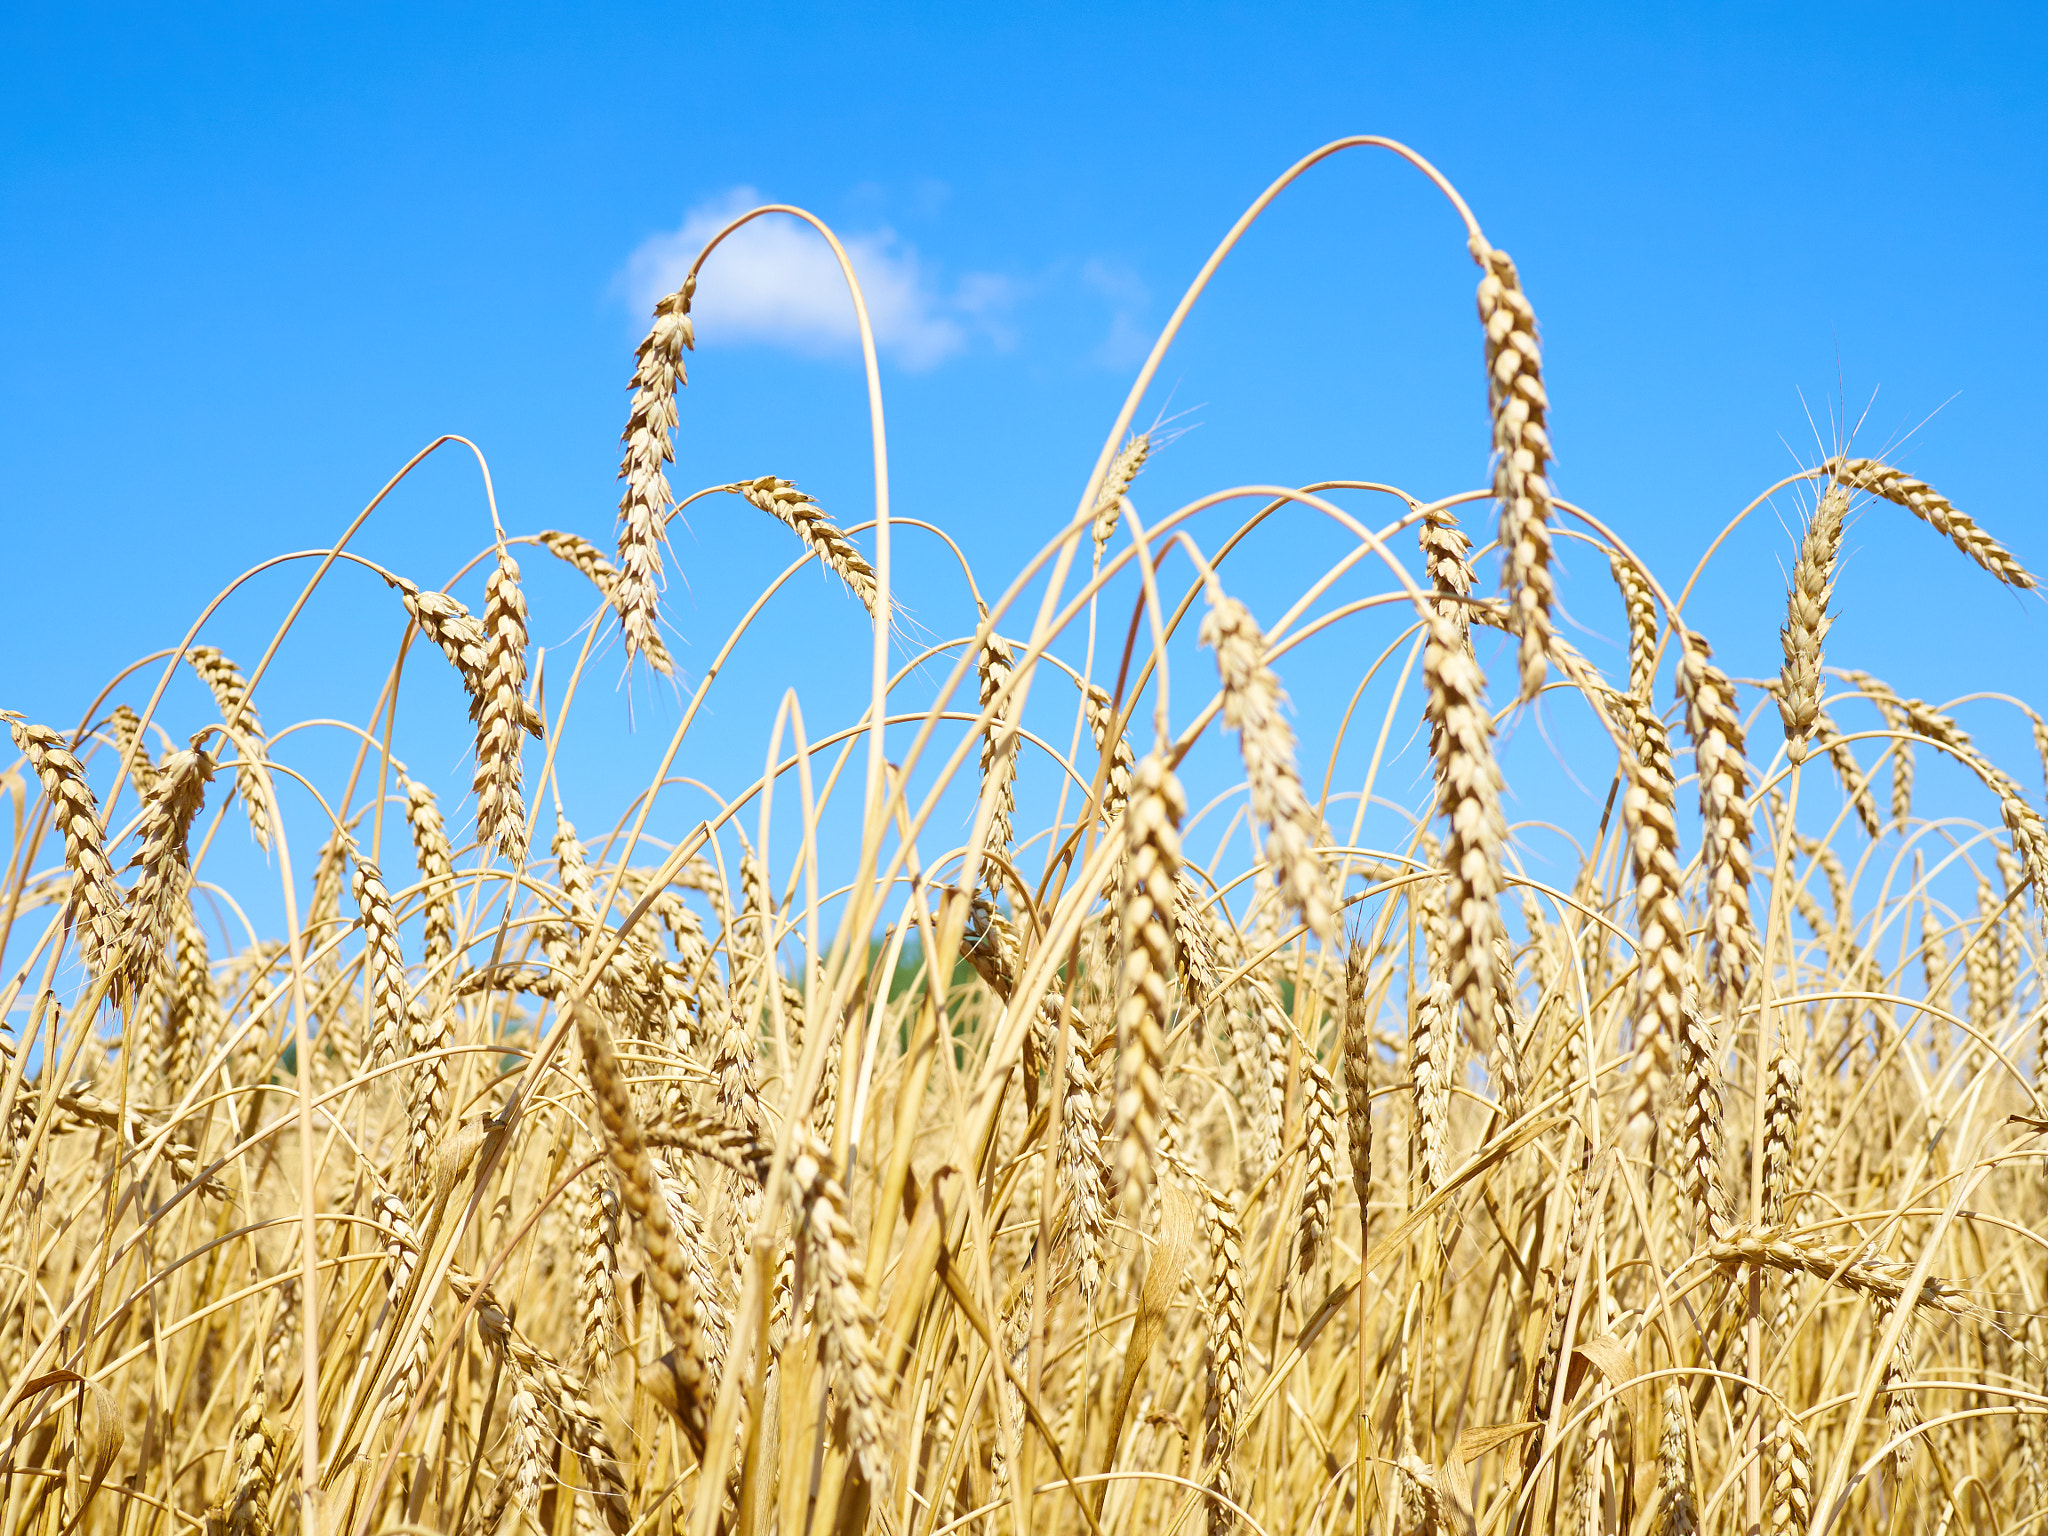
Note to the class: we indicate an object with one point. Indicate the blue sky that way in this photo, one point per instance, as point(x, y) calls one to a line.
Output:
point(253, 258)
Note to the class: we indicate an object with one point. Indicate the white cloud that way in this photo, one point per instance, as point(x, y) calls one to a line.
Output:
point(776, 281)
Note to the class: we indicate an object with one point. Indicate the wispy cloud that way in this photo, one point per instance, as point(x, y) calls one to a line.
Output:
point(777, 282)
point(1128, 340)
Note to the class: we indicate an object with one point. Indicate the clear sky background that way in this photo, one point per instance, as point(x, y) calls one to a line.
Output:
point(254, 257)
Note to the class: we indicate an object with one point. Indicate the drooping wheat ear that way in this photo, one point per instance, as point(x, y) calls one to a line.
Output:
point(75, 811)
point(1101, 721)
point(1150, 960)
point(1424, 1509)
point(1714, 723)
point(252, 1467)
point(436, 860)
point(1319, 1179)
point(230, 692)
point(1855, 784)
point(644, 508)
point(1082, 1175)
point(1468, 798)
point(1807, 621)
point(383, 964)
point(133, 750)
point(193, 1018)
point(781, 500)
point(501, 711)
point(453, 628)
point(1639, 606)
point(1109, 501)
point(1679, 1515)
point(1663, 965)
point(1703, 1128)
point(1521, 446)
point(1446, 560)
point(1782, 1103)
point(575, 550)
point(1792, 1479)
point(1934, 509)
point(667, 1268)
point(1896, 718)
point(1358, 1077)
point(1902, 1403)
point(166, 874)
point(1254, 706)
point(847, 1325)
point(1873, 1274)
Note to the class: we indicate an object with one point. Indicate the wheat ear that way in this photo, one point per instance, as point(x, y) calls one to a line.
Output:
point(1521, 445)
point(1807, 620)
point(75, 811)
point(1468, 798)
point(994, 665)
point(436, 860)
point(230, 691)
point(164, 861)
point(667, 1268)
point(1358, 1078)
point(1150, 961)
point(781, 500)
point(134, 752)
point(1679, 1515)
point(253, 1467)
point(1109, 501)
point(1639, 607)
point(644, 508)
point(383, 964)
point(1792, 1479)
point(1102, 721)
point(1703, 1128)
point(1253, 706)
point(501, 712)
point(1934, 509)
point(1504, 1056)
point(1715, 726)
point(572, 549)
point(848, 1326)
point(1319, 1179)
point(1662, 960)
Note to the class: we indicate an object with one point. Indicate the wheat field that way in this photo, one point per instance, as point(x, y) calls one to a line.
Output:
point(1040, 1099)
